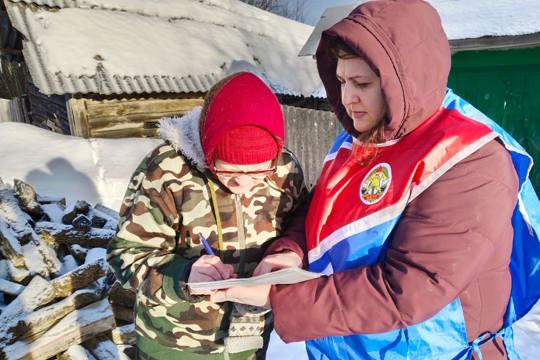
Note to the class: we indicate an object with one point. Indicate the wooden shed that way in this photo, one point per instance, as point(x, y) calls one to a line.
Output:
point(111, 68)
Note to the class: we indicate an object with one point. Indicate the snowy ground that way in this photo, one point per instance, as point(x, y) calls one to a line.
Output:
point(98, 170)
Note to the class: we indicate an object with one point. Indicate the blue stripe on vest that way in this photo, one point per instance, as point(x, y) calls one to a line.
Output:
point(443, 337)
point(356, 250)
point(341, 139)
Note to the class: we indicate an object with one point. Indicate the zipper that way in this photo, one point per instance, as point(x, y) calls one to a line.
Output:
point(241, 234)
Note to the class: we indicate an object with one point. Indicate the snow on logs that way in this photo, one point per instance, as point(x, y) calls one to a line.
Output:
point(58, 298)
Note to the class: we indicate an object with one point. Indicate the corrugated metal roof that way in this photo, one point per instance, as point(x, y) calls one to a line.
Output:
point(100, 81)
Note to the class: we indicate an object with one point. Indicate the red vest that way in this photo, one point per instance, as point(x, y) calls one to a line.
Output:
point(353, 195)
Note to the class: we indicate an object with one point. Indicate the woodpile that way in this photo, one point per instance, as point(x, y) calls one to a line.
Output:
point(58, 299)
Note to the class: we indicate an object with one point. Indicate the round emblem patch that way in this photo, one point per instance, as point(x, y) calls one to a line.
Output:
point(375, 184)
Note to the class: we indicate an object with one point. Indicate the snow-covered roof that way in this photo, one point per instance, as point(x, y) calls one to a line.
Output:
point(140, 46)
point(463, 21)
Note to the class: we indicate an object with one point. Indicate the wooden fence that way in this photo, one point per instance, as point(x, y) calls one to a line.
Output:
point(309, 134)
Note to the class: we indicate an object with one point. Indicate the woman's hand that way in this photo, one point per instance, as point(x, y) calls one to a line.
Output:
point(209, 268)
point(278, 261)
point(257, 295)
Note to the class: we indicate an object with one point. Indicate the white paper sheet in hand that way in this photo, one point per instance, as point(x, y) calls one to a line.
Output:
point(283, 276)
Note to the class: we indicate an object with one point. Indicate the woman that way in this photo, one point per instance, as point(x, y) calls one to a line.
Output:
point(416, 212)
point(222, 177)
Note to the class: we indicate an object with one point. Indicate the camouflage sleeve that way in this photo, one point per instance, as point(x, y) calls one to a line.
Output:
point(149, 222)
point(292, 238)
point(295, 183)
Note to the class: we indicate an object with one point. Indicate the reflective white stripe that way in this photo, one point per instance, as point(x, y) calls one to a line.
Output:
point(356, 227)
point(332, 156)
point(391, 212)
point(328, 270)
point(418, 189)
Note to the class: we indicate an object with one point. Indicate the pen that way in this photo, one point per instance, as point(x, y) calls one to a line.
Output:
point(207, 247)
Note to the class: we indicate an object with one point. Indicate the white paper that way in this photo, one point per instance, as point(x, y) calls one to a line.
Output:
point(280, 277)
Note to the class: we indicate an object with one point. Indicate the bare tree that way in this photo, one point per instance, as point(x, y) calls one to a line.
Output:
point(268, 5)
point(292, 9)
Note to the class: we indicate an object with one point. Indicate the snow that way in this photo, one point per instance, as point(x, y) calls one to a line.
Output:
point(171, 38)
point(78, 352)
point(26, 152)
point(53, 211)
point(95, 254)
point(95, 170)
point(68, 264)
point(463, 19)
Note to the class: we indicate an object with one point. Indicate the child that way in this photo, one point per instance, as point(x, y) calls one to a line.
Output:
point(223, 175)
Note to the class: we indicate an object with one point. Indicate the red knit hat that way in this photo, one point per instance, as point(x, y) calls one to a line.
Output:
point(241, 121)
point(246, 144)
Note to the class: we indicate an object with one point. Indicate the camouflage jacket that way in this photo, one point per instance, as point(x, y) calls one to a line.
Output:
point(168, 203)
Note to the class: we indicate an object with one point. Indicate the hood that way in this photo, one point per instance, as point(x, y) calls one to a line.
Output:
point(240, 99)
point(404, 43)
point(183, 135)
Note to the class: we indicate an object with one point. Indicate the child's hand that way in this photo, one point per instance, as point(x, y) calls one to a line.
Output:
point(256, 295)
point(209, 268)
point(278, 261)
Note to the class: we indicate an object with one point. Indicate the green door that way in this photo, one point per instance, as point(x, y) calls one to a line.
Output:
point(505, 85)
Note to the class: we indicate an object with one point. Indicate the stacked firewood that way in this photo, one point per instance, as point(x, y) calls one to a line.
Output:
point(57, 296)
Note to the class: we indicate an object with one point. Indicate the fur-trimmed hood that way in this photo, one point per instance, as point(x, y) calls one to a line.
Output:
point(183, 133)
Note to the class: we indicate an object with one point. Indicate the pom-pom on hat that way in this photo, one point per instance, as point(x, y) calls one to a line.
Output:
point(241, 121)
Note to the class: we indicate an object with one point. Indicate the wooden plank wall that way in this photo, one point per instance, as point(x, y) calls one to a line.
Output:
point(124, 117)
point(309, 134)
point(48, 112)
point(5, 110)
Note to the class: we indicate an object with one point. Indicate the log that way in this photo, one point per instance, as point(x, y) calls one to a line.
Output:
point(109, 215)
point(67, 234)
point(4, 272)
point(75, 328)
point(32, 325)
point(76, 352)
point(107, 211)
point(122, 296)
point(104, 349)
point(123, 313)
point(129, 350)
point(38, 292)
point(71, 212)
point(20, 275)
point(27, 198)
point(10, 246)
point(79, 278)
point(78, 252)
point(123, 335)
point(46, 262)
point(9, 287)
point(82, 223)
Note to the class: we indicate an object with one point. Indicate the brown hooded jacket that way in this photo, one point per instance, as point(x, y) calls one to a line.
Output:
point(454, 240)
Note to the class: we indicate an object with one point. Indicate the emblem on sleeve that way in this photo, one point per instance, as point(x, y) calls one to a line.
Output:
point(375, 184)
